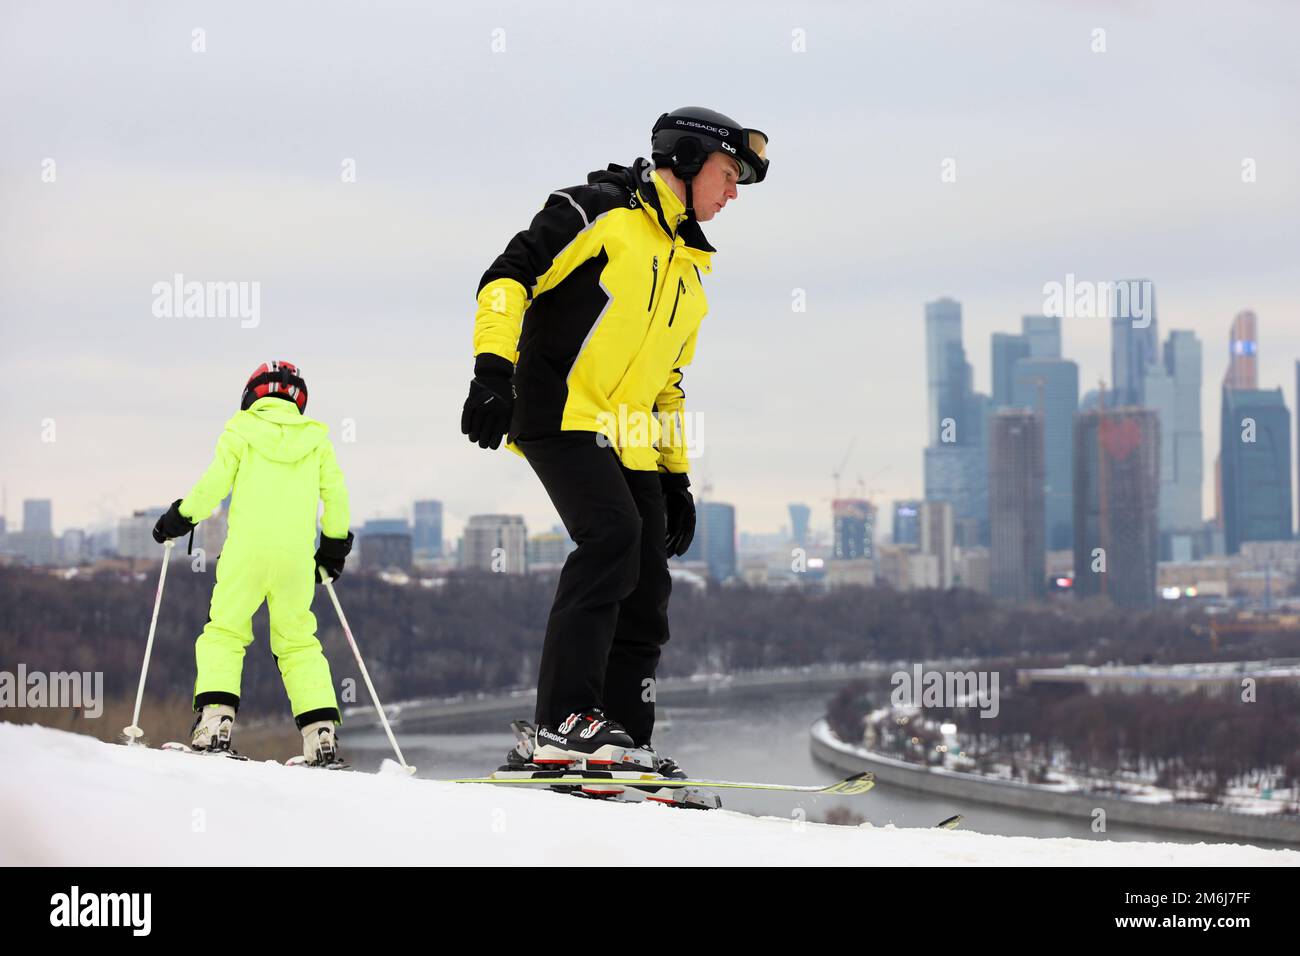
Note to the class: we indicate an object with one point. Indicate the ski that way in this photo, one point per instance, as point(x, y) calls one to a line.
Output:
point(301, 761)
point(180, 748)
point(952, 823)
point(856, 784)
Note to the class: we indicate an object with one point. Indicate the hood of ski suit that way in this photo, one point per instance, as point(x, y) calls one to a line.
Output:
point(277, 466)
point(277, 430)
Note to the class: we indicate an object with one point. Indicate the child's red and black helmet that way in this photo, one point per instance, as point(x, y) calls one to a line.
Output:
point(281, 379)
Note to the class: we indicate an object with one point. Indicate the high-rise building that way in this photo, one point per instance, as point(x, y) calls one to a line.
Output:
point(958, 474)
point(102, 543)
point(135, 536)
point(1243, 352)
point(496, 543)
point(1043, 334)
point(549, 550)
point(37, 516)
point(35, 543)
point(972, 570)
point(715, 539)
point(937, 538)
point(383, 551)
point(907, 522)
point(1050, 386)
point(426, 540)
point(1255, 452)
point(947, 374)
point(1017, 554)
point(718, 521)
point(853, 521)
point(1134, 340)
point(956, 459)
point(1173, 389)
point(979, 406)
point(1116, 484)
point(1007, 350)
point(799, 515)
point(1242, 372)
point(72, 547)
point(386, 526)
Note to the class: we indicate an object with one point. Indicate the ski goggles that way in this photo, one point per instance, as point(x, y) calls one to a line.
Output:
point(752, 154)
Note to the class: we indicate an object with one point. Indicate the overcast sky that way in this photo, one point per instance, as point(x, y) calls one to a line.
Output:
point(228, 165)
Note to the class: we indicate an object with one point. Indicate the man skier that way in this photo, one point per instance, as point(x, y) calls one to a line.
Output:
point(583, 327)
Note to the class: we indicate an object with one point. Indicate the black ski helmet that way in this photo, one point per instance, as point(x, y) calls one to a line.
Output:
point(684, 138)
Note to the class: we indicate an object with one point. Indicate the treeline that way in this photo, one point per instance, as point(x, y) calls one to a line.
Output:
point(483, 632)
point(1198, 741)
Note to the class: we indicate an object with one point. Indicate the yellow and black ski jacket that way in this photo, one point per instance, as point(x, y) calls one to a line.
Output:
point(598, 303)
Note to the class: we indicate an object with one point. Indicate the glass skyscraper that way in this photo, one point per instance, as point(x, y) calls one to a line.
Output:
point(1255, 455)
point(955, 462)
point(1050, 386)
point(1116, 483)
point(1134, 345)
point(426, 541)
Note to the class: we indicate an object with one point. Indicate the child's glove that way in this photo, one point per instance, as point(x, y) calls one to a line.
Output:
point(486, 415)
point(172, 524)
point(331, 554)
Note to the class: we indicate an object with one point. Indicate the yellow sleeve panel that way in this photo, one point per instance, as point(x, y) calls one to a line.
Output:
point(212, 488)
point(499, 319)
point(334, 492)
point(567, 232)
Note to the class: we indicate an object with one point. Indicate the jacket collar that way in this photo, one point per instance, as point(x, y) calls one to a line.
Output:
point(659, 201)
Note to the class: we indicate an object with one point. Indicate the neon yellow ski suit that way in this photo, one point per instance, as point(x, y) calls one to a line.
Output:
point(281, 465)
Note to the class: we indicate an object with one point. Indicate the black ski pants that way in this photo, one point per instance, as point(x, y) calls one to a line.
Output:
point(610, 615)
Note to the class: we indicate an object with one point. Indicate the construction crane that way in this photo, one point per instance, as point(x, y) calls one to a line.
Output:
point(835, 475)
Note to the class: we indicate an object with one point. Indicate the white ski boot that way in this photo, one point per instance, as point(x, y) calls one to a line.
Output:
point(320, 746)
point(212, 729)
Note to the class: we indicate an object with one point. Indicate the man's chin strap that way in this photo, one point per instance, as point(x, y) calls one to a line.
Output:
point(690, 198)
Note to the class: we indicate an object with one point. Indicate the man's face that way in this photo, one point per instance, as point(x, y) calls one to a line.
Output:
point(715, 185)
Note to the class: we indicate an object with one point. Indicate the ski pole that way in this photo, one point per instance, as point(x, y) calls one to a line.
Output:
point(356, 652)
point(134, 733)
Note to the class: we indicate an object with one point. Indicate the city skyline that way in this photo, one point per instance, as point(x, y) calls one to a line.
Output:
point(821, 519)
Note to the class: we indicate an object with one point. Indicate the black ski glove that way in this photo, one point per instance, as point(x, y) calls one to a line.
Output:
point(172, 524)
point(680, 506)
point(486, 417)
point(331, 554)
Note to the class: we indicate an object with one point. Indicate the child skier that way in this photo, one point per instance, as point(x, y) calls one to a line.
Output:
point(281, 465)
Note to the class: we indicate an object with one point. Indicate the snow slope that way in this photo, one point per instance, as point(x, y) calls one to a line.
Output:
point(67, 799)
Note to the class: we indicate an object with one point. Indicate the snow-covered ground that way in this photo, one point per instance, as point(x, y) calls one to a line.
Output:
point(67, 799)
